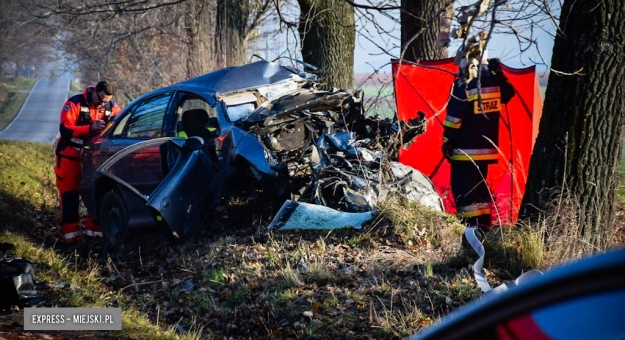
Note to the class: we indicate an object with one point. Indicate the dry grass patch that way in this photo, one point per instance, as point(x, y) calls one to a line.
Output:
point(416, 224)
point(292, 277)
point(396, 259)
point(553, 239)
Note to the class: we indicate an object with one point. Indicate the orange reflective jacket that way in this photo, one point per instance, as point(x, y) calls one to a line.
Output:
point(76, 118)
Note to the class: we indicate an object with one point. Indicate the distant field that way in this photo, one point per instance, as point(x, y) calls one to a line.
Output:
point(372, 91)
point(379, 101)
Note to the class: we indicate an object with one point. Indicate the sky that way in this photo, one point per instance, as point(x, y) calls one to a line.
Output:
point(368, 54)
point(373, 49)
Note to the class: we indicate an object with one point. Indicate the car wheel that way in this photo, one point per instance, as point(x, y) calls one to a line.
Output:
point(114, 218)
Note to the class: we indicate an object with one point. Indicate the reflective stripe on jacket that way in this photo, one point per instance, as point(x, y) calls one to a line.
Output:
point(472, 130)
point(473, 210)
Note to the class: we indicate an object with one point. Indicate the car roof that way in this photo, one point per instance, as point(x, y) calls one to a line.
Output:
point(234, 79)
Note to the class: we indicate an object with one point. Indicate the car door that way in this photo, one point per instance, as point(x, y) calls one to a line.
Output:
point(180, 200)
point(143, 168)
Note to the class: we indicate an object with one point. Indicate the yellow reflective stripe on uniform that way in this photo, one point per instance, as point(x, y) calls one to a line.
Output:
point(453, 122)
point(492, 95)
point(474, 157)
point(479, 212)
point(474, 206)
point(452, 125)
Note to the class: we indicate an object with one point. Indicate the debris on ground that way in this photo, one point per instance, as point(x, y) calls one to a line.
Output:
point(17, 281)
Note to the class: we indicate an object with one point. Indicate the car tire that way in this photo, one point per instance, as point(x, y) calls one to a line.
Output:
point(114, 218)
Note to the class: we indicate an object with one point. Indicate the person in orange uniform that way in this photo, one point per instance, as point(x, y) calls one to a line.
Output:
point(83, 116)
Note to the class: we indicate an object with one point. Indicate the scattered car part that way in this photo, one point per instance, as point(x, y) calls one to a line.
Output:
point(17, 282)
point(300, 215)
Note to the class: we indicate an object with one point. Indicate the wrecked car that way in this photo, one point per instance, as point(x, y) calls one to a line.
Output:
point(173, 152)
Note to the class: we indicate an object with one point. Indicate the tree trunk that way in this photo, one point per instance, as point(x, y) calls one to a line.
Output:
point(217, 35)
point(580, 140)
point(231, 29)
point(328, 37)
point(200, 53)
point(415, 16)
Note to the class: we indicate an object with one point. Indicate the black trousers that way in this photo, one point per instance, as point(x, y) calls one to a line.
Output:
point(473, 200)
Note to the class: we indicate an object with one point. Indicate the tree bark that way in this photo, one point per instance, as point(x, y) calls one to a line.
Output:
point(579, 145)
point(200, 44)
point(415, 17)
point(328, 37)
point(217, 32)
point(231, 29)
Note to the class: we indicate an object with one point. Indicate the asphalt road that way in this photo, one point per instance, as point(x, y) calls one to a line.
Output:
point(38, 119)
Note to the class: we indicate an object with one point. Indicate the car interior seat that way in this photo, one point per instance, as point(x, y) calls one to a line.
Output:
point(197, 123)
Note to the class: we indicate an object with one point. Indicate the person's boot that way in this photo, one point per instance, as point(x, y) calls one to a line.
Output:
point(71, 232)
point(94, 229)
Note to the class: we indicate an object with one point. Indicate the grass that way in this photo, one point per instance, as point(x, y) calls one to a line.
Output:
point(11, 102)
point(27, 183)
point(19, 84)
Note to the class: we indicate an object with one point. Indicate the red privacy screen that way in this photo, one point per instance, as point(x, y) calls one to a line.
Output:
point(426, 87)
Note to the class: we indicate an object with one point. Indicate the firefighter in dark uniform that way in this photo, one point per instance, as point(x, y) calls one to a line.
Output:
point(471, 138)
point(83, 116)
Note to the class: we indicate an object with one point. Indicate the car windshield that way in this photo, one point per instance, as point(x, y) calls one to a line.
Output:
point(236, 112)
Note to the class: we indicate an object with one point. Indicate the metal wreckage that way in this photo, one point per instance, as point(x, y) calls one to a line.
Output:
point(317, 145)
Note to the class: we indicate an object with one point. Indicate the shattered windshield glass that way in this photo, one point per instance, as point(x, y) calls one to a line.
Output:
point(237, 112)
